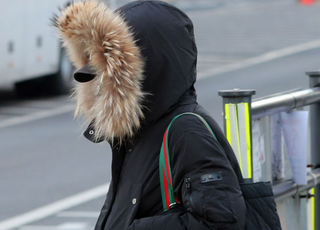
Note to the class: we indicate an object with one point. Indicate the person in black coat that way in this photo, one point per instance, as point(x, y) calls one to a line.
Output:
point(137, 70)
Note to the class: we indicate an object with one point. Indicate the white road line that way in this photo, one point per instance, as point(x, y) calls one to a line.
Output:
point(213, 58)
point(78, 214)
point(210, 11)
point(65, 226)
point(36, 116)
point(54, 207)
point(259, 59)
point(201, 75)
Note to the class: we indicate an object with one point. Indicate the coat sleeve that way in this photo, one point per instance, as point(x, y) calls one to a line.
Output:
point(204, 183)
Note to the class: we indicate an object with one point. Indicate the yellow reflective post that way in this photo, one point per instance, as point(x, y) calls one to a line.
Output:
point(248, 139)
point(237, 123)
point(313, 210)
point(227, 121)
point(245, 138)
point(232, 130)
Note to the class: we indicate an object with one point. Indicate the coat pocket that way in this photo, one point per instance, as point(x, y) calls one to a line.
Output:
point(212, 200)
point(135, 202)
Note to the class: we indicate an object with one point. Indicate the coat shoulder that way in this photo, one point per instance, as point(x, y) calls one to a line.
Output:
point(187, 123)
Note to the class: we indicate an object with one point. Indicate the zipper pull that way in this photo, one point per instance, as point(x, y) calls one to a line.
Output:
point(187, 180)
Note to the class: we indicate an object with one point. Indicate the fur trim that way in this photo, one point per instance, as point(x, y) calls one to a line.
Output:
point(95, 34)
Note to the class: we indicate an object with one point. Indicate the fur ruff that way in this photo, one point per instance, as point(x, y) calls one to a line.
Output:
point(92, 33)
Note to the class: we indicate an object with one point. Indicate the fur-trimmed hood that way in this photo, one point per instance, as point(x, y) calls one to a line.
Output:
point(144, 58)
point(93, 34)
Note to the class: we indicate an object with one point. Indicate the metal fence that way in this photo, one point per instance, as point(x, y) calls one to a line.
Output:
point(298, 205)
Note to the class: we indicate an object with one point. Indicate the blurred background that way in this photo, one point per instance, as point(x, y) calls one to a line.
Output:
point(53, 178)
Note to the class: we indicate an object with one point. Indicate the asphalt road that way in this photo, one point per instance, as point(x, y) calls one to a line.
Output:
point(45, 160)
point(266, 78)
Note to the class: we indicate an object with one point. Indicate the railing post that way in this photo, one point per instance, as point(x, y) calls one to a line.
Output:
point(314, 81)
point(237, 127)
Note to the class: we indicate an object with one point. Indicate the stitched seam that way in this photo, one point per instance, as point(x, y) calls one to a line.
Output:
point(259, 215)
point(272, 211)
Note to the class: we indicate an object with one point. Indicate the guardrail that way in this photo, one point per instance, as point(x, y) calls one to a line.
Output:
point(284, 102)
point(240, 111)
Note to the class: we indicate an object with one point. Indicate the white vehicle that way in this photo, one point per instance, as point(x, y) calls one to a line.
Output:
point(30, 49)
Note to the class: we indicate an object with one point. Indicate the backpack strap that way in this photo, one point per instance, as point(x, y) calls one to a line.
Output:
point(168, 198)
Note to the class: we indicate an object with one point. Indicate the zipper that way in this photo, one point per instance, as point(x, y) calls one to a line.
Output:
point(187, 181)
point(188, 186)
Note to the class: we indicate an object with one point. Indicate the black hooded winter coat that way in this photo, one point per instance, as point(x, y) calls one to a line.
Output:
point(165, 36)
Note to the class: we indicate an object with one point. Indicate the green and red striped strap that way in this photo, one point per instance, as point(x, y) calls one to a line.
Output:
point(168, 197)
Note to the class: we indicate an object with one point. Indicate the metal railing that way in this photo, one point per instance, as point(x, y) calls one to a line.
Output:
point(275, 104)
point(285, 102)
point(289, 188)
